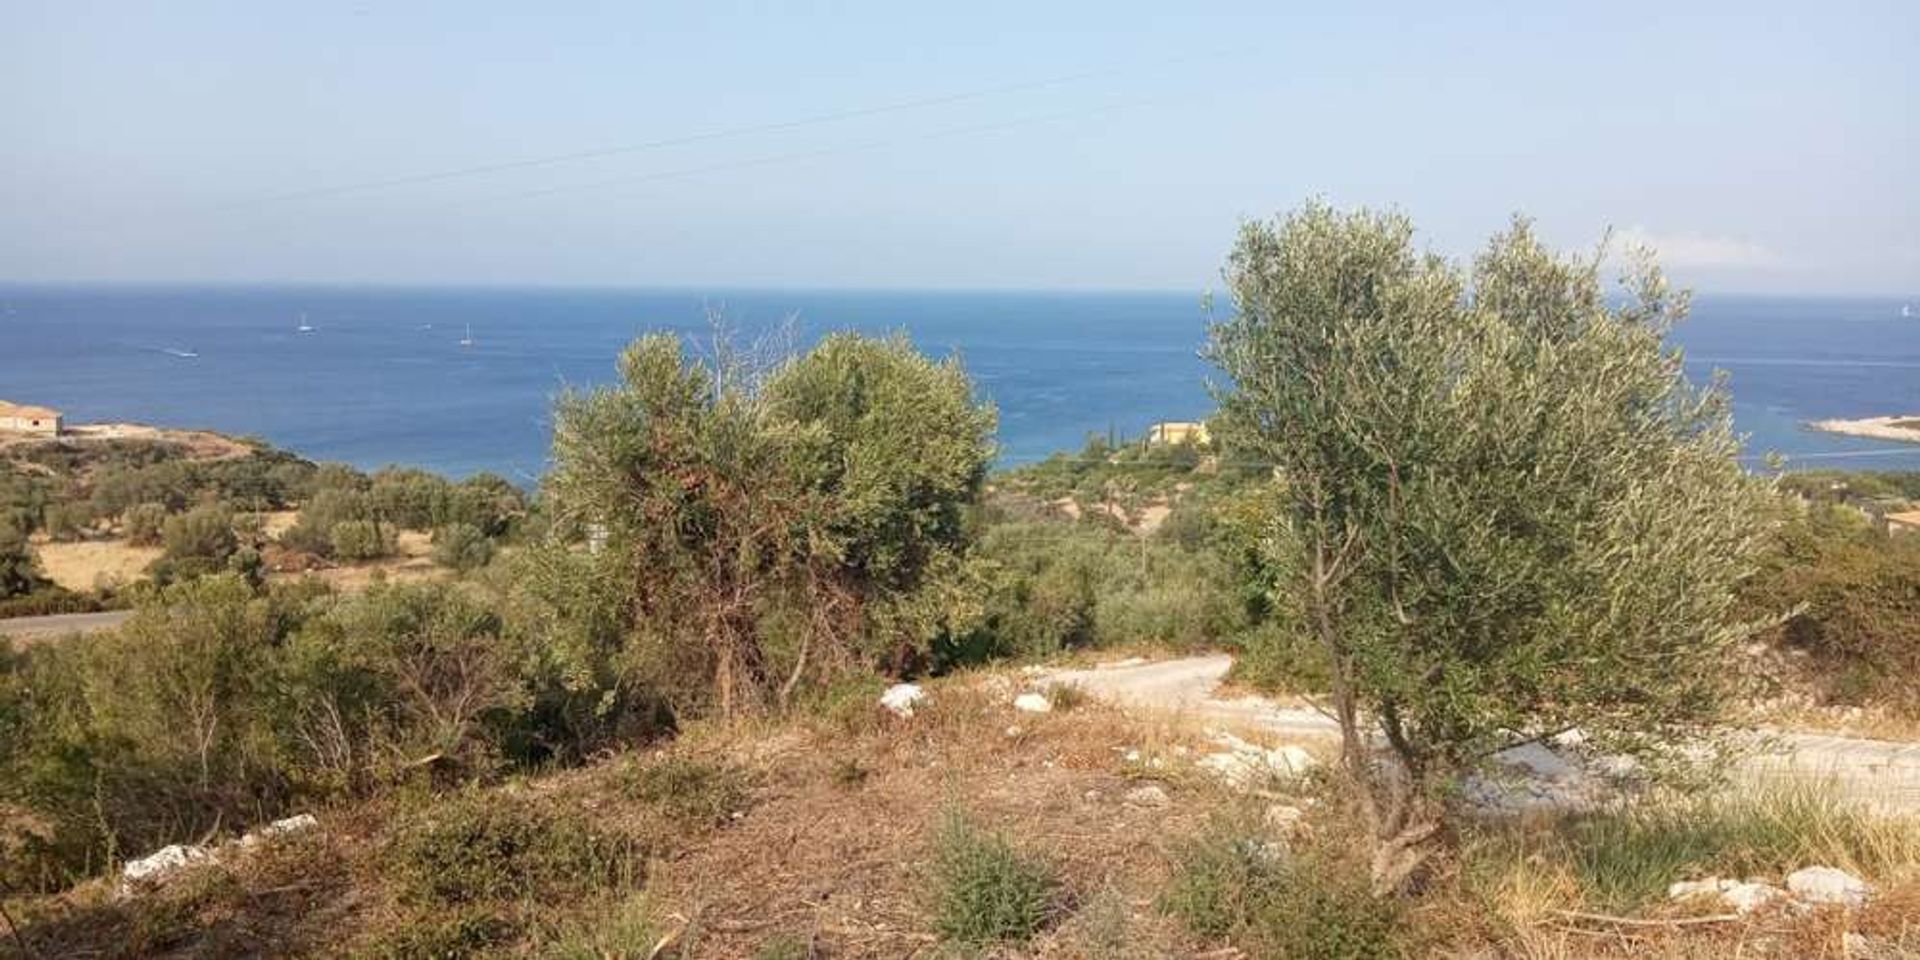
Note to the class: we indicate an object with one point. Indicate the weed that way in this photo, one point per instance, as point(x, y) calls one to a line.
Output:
point(1065, 696)
point(433, 934)
point(1625, 857)
point(622, 929)
point(690, 791)
point(784, 946)
point(477, 847)
point(1234, 883)
point(985, 891)
point(848, 773)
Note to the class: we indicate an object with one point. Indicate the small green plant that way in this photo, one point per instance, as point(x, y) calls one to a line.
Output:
point(478, 847)
point(437, 933)
point(615, 930)
point(1237, 884)
point(848, 773)
point(1065, 696)
point(985, 891)
point(687, 789)
point(462, 547)
point(784, 946)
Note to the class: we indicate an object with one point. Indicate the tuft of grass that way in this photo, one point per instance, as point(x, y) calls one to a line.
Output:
point(688, 790)
point(436, 934)
point(619, 929)
point(985, 891)
point(1065, 696)
point(1623, 858)
point(1234, 883)
point(847, 773)
point(784, 946)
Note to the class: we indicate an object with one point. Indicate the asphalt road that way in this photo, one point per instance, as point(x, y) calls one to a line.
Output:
point(32, 629)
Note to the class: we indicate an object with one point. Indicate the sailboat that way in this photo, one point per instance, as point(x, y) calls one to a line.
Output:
point(1906, 310)
point(304, 326)
point(467, 341)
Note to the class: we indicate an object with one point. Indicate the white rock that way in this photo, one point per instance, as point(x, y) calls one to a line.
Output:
point(1745, 898)
point(1014, 732)
point(1243, 763)
point(1688, 889)
point(1147, 795)
point(155, 866)
point(1132, 756)
point(903, 698)
point(1032, 703)
point(1828, 885)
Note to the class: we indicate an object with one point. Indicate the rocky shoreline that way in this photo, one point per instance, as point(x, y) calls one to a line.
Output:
point(1904, 428)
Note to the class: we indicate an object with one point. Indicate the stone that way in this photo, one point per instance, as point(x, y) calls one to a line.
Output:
point(1147, 795)
point(903, 698)
point(1745, 898)
point(1032, 703)
point(1828, 885)
point(155, 867)
point(1688, 889)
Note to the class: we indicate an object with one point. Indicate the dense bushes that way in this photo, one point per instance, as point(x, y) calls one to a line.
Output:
point(217, 704)
point(1856, 596)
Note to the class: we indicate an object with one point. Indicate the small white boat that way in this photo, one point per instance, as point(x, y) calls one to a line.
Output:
point(176, 352)
point(467, 341)
point(1906, 309)
point(304, 326)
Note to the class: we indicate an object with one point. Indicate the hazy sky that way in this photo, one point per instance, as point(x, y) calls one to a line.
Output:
point(1760, 146)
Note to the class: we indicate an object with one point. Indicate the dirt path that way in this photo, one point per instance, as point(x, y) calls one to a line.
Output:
point(31, 629)
point(1880, 773)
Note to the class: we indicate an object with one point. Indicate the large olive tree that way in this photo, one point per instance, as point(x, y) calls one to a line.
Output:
point(1499, 506)
point(767, 520)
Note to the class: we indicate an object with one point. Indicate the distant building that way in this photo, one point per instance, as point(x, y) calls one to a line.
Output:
point(1174, 432)
point(20, 418)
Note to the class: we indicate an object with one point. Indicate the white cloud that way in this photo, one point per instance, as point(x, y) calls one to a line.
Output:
point(1695, 250)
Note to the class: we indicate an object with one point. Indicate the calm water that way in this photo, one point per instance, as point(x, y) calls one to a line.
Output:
point(383, 378)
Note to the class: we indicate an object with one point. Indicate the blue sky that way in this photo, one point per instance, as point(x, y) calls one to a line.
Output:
point(1760, 146)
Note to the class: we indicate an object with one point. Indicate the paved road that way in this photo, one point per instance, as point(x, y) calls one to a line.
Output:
point(31, 629)
point(1882, 774)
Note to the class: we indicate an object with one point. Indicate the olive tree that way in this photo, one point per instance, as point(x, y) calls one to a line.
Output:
point(1499, 506)
point(771, 516)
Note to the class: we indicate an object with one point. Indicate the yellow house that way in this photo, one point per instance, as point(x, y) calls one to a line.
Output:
point(1172, 432)
point(20, 418)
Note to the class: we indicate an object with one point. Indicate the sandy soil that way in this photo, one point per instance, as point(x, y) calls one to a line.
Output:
point(1905, 428)
point(200, 444)
point(80, 567)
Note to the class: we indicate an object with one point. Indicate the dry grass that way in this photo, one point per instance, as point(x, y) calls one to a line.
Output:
point(85, 565)
point(817, 836)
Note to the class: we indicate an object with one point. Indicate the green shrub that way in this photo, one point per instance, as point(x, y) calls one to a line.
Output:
point(691, 791)
point(19, 568)
point(461, 546)
point(361, 540)
point(622, 930)
point(203, 533)
point(441, 933)
point(985, 891)
point(145, 524)
point(478, 847)
point(1235, 883)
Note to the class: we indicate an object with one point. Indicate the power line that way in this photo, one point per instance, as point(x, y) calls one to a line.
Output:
point(724, 133)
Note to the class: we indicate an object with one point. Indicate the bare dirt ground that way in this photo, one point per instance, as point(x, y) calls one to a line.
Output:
point(87, 564)
point(36, 629)
point(1881, 774)
point(200, 444)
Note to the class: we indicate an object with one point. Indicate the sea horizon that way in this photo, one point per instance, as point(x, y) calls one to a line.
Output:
point(374, 385)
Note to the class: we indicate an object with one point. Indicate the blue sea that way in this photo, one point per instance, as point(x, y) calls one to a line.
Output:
point(383, 378)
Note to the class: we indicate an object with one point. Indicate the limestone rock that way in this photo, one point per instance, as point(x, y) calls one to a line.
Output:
point(1282, 818)
point(903, 698)
point(1828, 885)
point(1032, 703)
point(155, 867)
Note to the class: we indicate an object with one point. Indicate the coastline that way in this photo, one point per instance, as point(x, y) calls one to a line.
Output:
point(1904, 427)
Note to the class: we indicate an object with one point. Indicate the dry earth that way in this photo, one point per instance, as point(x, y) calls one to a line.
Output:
point(1882, 774)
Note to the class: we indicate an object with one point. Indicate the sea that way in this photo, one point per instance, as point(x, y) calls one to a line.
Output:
point(382, 375)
